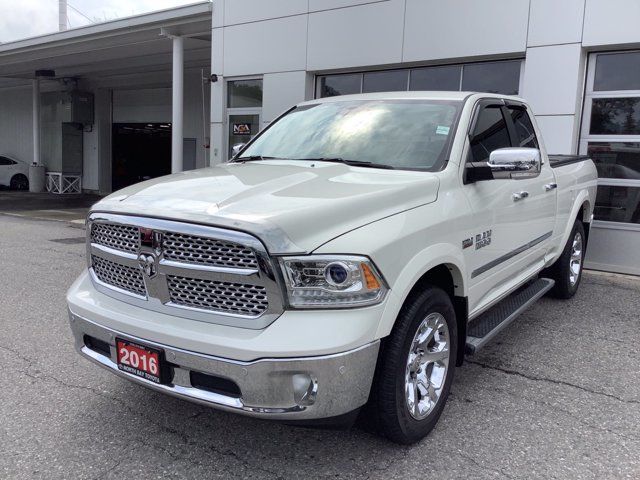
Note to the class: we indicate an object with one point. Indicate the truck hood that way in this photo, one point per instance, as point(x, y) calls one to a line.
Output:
point(292, 206)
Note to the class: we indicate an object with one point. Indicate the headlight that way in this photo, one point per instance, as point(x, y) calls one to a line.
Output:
point(327, 281)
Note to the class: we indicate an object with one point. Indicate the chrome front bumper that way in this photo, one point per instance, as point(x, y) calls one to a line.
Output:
point(284, 389)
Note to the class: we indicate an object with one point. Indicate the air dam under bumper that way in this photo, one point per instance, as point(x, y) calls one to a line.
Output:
point(281, 389)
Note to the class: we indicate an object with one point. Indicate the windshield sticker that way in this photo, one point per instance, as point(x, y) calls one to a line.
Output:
point(442, 130)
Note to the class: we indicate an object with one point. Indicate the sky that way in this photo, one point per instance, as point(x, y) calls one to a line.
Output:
point(27, 18)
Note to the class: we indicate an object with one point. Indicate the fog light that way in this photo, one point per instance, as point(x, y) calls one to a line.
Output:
point(305, 389)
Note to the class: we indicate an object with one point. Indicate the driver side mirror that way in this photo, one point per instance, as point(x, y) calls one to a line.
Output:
point(506, 163)
point(235, 150)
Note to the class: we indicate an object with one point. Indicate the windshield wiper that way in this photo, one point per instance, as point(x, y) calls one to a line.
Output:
point(352, 163)
point(254, 157)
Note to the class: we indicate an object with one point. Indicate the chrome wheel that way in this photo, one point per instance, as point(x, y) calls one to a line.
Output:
point(427, 365)
point(575, 263)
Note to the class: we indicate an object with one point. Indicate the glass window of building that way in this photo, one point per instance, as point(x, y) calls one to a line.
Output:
point(436, 78)
point(495, 77)
point(333, 85)
point(385, 81)
point(610, 135)
point(244, 93)
point(617, 71)
point(615, 116)
point(492, 77)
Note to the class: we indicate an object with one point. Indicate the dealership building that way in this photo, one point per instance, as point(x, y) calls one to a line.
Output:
point(114, 103)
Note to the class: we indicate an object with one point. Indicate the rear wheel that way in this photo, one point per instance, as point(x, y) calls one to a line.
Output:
point(567, 271)
point(19, 182)
point(416, 368)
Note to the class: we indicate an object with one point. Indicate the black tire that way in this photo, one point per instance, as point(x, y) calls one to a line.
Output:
point(19, 182)
point(567, 281)
point(388, 411)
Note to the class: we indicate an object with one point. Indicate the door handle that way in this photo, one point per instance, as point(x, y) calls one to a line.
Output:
point(550, 186)
point(520, 195)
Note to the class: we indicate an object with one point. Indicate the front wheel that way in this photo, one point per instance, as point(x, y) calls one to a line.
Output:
point(416, 368)
point(567, 270)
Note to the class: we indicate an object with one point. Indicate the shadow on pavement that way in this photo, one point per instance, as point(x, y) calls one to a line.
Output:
point(47, 206)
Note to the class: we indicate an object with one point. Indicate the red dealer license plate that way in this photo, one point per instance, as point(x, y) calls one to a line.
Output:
point(139, 360)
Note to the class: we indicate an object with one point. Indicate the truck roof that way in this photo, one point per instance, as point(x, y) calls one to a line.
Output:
point(415, 95)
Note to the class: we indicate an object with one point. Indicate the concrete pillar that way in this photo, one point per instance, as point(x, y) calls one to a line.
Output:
point(177, 112)
point(36, 170)
point(35, 102)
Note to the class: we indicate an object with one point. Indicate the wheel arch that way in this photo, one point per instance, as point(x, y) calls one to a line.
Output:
point(18, 175)
point(582, 210)
point(449, 277)
point(584, 215)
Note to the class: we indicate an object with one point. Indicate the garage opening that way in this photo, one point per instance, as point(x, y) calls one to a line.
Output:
point(140, 151)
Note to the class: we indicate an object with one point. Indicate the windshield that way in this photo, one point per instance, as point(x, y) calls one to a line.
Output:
point(412, 134)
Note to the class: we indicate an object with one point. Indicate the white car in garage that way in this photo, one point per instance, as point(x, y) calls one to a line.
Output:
point(14, 173)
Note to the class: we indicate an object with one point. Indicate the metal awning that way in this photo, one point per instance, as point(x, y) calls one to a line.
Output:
point(123, 46)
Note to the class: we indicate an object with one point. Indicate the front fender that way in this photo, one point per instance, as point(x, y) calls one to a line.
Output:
point(425, 260)
point(404, 247)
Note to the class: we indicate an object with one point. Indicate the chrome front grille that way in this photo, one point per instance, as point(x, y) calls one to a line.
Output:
point(192, 271)
point(120, 237)
point(207, 251)
point(234, 298)
point(121, 276)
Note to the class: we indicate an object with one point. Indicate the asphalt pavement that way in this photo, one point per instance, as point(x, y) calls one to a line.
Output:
point(557, 395)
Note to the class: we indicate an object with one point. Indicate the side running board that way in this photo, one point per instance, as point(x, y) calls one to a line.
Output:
point(482, 329)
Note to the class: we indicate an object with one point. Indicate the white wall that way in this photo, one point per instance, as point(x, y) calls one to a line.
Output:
point(553, 22)
point(16, 137)
point(281, 91)
point(611, 22)
point(369, 34)
point(288, 42)
point(90, 160)
point(464, 28)
point(143, 105)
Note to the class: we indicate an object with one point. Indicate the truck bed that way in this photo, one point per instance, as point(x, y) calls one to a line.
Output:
point(560, 160)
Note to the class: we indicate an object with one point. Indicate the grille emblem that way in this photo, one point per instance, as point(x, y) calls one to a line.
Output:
point(146, 237)
point(147, 264)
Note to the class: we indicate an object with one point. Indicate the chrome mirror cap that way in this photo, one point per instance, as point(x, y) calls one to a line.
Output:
point(515, 162)
point(235, 150)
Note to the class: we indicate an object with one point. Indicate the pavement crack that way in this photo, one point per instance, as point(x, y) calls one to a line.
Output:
point(582, 421)
point(183, 437)
point(482, 467)
point(552, 380)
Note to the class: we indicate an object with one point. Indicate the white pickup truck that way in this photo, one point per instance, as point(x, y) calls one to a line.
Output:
point(343, 261)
